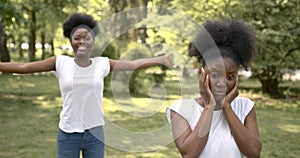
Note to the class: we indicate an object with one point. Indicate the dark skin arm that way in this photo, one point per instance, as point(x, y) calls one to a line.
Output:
point(124, 65)
point(31, 67)
point(191, 143)
point(246, 136)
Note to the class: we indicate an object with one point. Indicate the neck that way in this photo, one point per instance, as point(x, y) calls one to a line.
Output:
point(83, 61)
point(218, 106)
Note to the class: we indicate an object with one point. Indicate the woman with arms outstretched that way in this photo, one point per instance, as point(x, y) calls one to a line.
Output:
point(81, 86)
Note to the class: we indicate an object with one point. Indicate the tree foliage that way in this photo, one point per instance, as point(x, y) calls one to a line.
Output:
point(277, 24)
point(8, 15)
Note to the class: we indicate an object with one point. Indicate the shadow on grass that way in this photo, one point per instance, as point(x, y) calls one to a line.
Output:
point(151, 133)
point(27, 125)
point(279, 132)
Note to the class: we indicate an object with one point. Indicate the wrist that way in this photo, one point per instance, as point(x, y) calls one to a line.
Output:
point(226, 106)
point(210, 106)
point(161, 60)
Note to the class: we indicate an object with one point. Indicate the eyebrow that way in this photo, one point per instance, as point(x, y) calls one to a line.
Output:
point(232, 71)
point(78, 35)
point(215, 69)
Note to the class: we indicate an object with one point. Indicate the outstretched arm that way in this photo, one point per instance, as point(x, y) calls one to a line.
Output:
point(31, 67)
point(124, 65)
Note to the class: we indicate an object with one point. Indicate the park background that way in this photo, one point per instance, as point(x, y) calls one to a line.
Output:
point(31, 30)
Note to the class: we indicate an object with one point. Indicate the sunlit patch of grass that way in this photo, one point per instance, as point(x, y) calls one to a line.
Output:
point(278, 140)
point(26, 129)
point(290, 128)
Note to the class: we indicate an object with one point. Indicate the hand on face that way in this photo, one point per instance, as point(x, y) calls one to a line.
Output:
point(233, 93)
point(205, 91)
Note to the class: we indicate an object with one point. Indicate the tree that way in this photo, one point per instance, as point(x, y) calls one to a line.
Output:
point(8, 14)
point(42, 17)
point(277, 26)
point(278, 29)
point(56, 14)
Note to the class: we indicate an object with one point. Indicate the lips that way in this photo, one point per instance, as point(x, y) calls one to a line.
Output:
point(82, 48)
point(219, 93)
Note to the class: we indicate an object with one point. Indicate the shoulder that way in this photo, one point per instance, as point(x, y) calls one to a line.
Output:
point(101, 59)
point(242, 107)
point(183, 107)
point(245, 102)
point(63, 57)
point(63, 61)
point(102, 64)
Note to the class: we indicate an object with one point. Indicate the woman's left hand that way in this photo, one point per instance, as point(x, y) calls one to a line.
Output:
point(168, 59)
point(231, 95)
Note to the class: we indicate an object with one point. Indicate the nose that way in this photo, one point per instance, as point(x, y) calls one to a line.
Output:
point(221, 82)
point(81, 41)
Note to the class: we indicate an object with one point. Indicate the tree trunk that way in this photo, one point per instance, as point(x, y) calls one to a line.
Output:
point(20, 50)
point(270, 86)
point(269, 81)
point(4, 54)
point(143, 30)
point(52, 47)
point(43, 37)
point(32, 37)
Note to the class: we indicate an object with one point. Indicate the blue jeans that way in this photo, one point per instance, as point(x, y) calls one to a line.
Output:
point(91, 143)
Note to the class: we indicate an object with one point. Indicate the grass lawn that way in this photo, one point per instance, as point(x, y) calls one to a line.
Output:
point(30, 106)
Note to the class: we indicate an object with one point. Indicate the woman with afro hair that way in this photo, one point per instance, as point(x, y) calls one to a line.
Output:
point(218, 123)
point(81, 86)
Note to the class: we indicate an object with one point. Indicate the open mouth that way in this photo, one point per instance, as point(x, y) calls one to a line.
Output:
point(82, 47)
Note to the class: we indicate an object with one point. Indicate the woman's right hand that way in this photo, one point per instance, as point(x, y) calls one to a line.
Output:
point(205, 92)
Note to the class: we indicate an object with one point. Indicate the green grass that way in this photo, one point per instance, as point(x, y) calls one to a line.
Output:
point(30, 106)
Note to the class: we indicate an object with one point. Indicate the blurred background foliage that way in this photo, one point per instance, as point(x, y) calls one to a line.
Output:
point(32, 30)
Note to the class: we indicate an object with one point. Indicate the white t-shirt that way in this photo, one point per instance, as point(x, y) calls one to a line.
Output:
point(220, 141)
point(82, 91)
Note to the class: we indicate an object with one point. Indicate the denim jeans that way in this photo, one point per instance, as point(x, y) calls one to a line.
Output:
point(91, 143)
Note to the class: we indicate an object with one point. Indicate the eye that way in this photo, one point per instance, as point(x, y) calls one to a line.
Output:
point(76, 38)
point(230, 77)
point(88, 38)
point(214, 75)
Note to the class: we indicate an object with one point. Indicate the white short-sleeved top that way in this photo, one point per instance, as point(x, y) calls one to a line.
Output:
point(220, 141)
point(82, 91)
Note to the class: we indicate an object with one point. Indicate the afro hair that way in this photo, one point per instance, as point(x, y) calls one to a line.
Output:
point(233, 38)
point(76, 20)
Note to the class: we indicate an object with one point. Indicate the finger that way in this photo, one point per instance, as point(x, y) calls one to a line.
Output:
point(236, 87)
point(233, 93)
point(208, 91)
point(203, 75)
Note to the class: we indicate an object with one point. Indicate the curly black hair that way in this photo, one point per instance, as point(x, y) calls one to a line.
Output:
point(234, 39)
point(79, 20)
